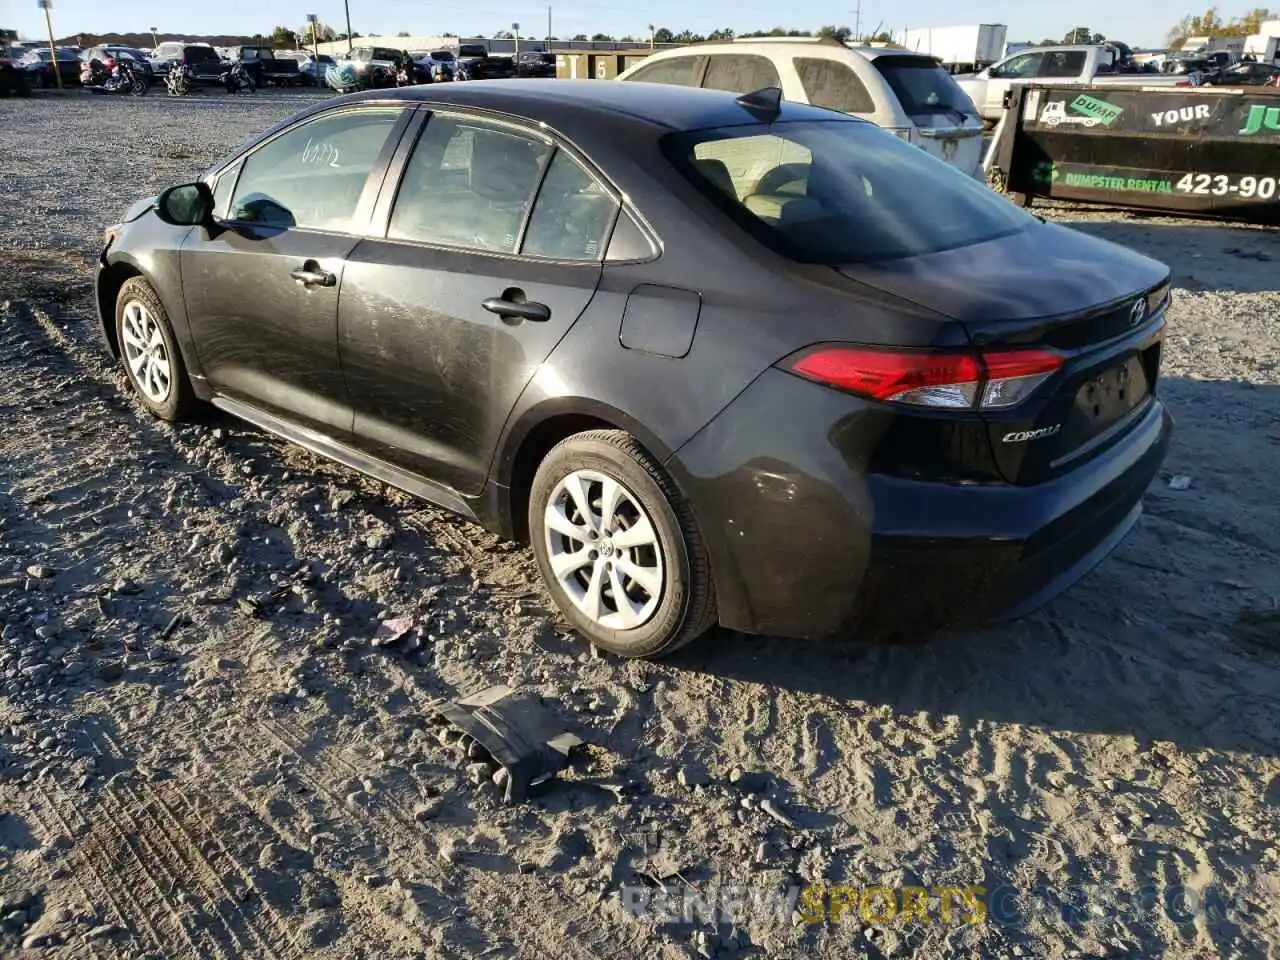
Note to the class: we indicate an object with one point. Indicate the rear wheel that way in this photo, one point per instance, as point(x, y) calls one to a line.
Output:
point(618, 547)
point(150, 352)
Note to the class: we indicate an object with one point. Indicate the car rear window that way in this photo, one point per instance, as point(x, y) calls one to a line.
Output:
point(199, 54)
point(923, 87)
point(839, 191)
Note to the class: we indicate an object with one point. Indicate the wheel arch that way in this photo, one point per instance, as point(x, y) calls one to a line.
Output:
point(532, 436)
point(111, 278)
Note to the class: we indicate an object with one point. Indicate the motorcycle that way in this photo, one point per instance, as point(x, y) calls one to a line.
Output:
point(403, 79)
point(179, 80)
point(113, 76)
point(238, 78)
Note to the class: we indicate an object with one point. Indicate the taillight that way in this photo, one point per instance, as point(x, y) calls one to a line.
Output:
point(961, 380)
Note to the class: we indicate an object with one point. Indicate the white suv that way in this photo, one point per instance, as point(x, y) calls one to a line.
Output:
point(905, 93)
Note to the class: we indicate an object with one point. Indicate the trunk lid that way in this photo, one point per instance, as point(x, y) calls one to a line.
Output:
point(1049, 286)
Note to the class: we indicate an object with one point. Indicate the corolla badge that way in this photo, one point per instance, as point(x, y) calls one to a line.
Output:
point(1139, 312)
point(1022, 436)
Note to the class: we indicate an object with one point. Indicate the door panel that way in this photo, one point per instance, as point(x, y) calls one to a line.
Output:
point(432, 346)
point(261, 336)
point(432, 374)
point(262, 288)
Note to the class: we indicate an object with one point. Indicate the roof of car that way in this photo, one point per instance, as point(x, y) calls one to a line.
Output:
point(557, 101)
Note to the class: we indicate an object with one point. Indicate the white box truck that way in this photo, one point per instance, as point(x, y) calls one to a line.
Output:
point(961, 49)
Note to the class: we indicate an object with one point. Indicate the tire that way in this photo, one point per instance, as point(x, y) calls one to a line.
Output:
point(177, 401)
point(682, 607)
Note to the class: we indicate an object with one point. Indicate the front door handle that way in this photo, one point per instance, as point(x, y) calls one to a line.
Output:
point(311, 275)
point(513, 306)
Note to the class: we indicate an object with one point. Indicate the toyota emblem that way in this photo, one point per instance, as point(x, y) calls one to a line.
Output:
point(1139, 312)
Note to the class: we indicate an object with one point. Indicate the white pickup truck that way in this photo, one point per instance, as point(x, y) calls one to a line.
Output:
point(1082, 63)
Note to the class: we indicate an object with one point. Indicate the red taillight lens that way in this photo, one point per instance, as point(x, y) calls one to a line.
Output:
point(962, 380)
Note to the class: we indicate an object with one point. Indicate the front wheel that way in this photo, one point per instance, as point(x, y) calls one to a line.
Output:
point(150, 352)
point(139, 87)
point(618, 546)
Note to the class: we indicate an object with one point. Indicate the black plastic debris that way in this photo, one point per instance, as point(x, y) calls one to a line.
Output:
point(518, 732)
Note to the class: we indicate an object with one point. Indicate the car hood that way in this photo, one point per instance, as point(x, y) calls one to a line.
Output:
point(1044, 270)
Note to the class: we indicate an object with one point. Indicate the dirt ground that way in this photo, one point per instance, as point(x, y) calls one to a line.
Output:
point(202, 753)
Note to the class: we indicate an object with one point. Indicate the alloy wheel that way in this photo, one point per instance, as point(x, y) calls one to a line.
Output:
point(604, 551)
point(145, 352)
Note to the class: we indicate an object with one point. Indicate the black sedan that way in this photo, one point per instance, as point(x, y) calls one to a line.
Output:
point(1249, 74)
point(38, 68)
point(717, 358)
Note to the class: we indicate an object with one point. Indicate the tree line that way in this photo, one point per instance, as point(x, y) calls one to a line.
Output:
point(285, 37)
point(1211, 24)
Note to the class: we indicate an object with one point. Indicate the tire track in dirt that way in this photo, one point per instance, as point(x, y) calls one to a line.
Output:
point(179, 853)
point(542, 902)
point(118, 867)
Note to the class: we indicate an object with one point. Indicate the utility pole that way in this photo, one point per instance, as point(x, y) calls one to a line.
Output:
point(857, 23)
point(651, 35)
point(548, 25)
point(346, 4)
point(312, 20)
point(515, 30)
point(155, 41)
point(46, 5)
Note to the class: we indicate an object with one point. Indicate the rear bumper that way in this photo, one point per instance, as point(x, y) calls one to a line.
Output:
point(805, 544)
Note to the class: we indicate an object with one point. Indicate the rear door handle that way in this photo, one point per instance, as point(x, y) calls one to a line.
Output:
point(311, 275)
point(509, 307)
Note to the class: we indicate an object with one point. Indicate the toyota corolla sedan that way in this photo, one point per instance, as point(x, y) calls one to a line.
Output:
point(716, 358)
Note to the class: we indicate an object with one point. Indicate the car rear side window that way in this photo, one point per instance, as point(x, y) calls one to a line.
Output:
point(834, 85)
point(840, 191)
point(312, 176)
point(1064, 63)
point(740, 73)
point(679, 71)
point(572, 216)
point(469, 184)
point(924, 88)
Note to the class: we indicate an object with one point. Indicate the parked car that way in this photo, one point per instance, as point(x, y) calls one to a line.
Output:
point(310, 67)
point(106, 51)
point(13, 80)
point(374, 66)
point(907, 94)
point(38, 68)
point(1069, 63)
point(164, 54)
point(1246, 75)
point(717, 357)
point(266, 69)
point(534, 64)
point(439, 63)
point(474, 62)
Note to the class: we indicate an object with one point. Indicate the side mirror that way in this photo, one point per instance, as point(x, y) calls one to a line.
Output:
point(188, 205)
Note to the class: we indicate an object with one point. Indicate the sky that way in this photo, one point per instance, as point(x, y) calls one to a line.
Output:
point(1140, 23)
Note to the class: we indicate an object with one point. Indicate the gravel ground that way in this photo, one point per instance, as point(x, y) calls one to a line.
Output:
point(203, 755)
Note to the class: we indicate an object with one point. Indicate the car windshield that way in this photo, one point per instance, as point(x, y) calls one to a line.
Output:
point(443, 55)
point(923, 87)
point(840, 191)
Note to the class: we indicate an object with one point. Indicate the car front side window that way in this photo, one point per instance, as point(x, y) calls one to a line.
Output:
point(1027, 65)
point(312, 176)
point(469, 184)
